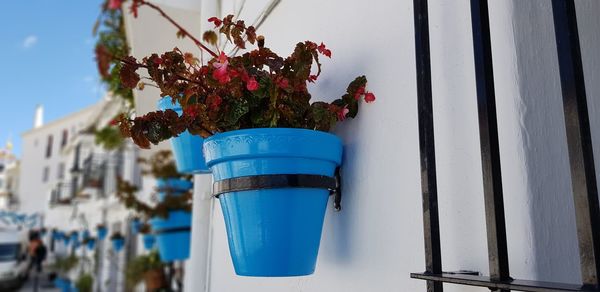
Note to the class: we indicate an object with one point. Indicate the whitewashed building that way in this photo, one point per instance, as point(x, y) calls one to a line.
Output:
point(9, 179)
point(377, 240)
point(70, 181)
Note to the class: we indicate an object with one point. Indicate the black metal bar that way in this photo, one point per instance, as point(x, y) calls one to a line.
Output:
point(273, 181)
point(488, 135)
point(583, 174)
point(517, 285)
point(431, 225)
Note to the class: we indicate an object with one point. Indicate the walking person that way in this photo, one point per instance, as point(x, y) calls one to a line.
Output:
point(37, 252)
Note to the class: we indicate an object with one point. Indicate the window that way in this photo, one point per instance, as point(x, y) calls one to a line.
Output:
point(61, 171)
point(64, 139)
point(9, 252)
point(46, 174)
point(49, 146)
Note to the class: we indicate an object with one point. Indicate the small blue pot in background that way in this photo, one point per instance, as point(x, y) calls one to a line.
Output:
point(91, 243)
point(135, 225)
point(187, 148)
point(273, 232)
point(63, 284)
point(117, 244)
point(74, 236)
point(173, 235)
point(174, 186)
point(85, 234)
point(101, 232)
point(149, 241)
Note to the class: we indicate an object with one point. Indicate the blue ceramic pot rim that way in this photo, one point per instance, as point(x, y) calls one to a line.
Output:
point(221, 147)
point(177, 218)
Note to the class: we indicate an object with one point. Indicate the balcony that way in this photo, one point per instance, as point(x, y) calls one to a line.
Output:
point(62, 194)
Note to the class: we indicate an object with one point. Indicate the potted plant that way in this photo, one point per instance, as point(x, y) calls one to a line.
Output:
point(170, 217)
point(101, 231)
point(147, 236)
point(148, 268)
point(259, 122)
point(168, 179)
point(185, 146)
point(90, 242)
point(135, 225)
point(62, 266)
point(118, 241)
point(85, 283)
point(85, 234)
point(56, 234)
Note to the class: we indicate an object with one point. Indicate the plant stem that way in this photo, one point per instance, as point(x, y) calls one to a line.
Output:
point(181, 29)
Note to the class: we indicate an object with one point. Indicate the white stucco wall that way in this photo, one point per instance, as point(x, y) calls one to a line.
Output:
point(377, 240)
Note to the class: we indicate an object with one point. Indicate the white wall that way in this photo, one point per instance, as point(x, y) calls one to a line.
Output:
point(377, 240)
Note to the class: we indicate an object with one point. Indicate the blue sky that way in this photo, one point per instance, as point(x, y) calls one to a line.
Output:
point(47, 58)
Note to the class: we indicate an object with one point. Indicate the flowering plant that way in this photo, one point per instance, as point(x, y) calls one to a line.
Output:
point(256, 89)
point(161, 166)
point(126, 193)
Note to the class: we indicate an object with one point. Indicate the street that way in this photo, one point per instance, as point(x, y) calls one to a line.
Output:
point(43, 284)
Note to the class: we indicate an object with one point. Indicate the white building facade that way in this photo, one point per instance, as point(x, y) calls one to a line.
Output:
point(9, 179)
point(70, 181)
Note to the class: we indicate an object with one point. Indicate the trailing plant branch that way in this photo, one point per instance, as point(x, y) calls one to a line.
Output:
point(182, 31)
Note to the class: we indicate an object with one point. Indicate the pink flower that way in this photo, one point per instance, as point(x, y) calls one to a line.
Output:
point(114, 4)
point(342, 113)
point(369, 97)
point(221, 73)
point(359, 92)
point(252, 84)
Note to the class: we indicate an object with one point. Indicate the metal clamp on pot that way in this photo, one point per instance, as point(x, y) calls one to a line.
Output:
point(279, 181)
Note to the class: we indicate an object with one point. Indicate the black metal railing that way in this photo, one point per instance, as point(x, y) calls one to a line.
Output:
point(583, 175)
point(100, 171)
point(62, 194)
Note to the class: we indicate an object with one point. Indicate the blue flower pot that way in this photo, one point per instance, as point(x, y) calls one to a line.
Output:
point(64, 285)
point(135, 226)
point(74, 236)
point(149, 241)
point(173, 235)
point(273, 232)
point(102, 232)
point(118, 244)
point(174, 185)
point(91, 243)
point(85, 234)
point(66, 239)
point(187, 148)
